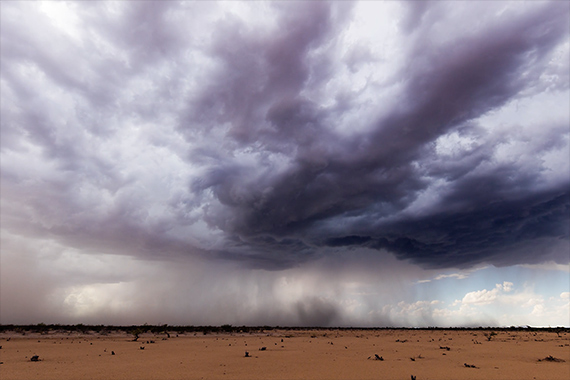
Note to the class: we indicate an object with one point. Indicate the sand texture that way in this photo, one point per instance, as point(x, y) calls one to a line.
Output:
point(304, 354)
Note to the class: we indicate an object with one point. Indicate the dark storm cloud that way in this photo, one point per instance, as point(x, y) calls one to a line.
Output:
point(258, 72)
point(499, 231)
point(177, 128)
point(377, 174)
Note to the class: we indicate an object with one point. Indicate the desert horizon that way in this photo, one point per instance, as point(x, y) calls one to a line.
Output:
point(265, 352)
point(47, 328)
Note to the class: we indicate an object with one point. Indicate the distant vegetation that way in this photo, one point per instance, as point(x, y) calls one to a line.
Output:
point(136, 330)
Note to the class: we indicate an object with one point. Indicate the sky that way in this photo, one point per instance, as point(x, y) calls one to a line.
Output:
point(393, 164)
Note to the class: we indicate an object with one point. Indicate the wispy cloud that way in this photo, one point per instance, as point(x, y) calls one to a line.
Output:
point(548, 266)
point(459, 275)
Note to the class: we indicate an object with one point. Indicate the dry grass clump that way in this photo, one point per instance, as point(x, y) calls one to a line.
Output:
point(551, 358)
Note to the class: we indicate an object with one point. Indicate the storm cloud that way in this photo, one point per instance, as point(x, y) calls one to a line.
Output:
point(277, 171)
point(338, 183)
point(271, 135)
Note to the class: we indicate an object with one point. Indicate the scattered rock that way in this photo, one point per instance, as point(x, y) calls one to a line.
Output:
point(247, 355)
point(35, 358)
point(112, 352)
point(444, 348)
point(470, 365)
point(141, 347)
point(413, 377)
point(263, 349)
point(378, 357)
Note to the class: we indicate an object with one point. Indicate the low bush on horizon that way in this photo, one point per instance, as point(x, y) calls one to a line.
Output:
point(227, 328)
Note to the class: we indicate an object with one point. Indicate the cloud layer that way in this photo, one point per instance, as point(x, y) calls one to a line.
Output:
point(197, 129)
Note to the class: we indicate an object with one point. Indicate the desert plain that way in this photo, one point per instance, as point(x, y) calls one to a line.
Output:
point(393, 354)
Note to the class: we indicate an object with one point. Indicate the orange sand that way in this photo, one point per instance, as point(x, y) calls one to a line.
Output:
point(320, 354)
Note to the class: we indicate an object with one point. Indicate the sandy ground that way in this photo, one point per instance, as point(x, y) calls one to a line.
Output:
point(320, 354)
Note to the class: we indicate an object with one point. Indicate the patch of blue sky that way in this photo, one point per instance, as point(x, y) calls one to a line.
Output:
point(451, 286)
